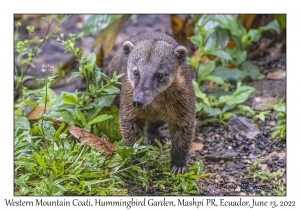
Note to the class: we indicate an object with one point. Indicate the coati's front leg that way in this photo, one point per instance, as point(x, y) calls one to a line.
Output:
point(181, 137)
point(131, 130)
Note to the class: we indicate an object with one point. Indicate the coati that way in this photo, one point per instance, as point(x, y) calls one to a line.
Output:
point(157, 87)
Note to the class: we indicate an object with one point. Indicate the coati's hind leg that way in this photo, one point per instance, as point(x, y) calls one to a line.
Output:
point(157, 130)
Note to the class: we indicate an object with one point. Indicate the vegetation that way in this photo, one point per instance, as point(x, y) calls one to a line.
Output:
point(272, 181)
point(48, 161)
point(222, 42)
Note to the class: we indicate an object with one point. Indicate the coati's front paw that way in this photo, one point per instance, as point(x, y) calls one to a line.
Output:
point(178, 169)
point(178, 165)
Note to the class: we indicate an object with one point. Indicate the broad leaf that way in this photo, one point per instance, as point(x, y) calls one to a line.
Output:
point(273, 25)
point(91, 59)
point(240, 95)
point(251, 70)
point(211, 111)
point(238, 56)
point(70, 98)
point(215, 79)
point(219, 53)
point(199, 93)
point(204, 70)
point(111, 89)
point(100, 118)
point(228, 74)
point(21, 123)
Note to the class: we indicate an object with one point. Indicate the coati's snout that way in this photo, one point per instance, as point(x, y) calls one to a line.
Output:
point(138, 99)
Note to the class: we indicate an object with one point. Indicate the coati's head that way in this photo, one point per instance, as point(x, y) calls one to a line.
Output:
point(151, 67)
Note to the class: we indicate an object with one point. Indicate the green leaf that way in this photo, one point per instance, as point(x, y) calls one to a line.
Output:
point(228, 74)
point(95, 23)
point(92, 88)
point(119, 76)
point(245, 108)
point(262, 115)
point(21, 123)
point(136, 168)
point(215, 79)
point(88, 67)
point(59, 130)
point(196, 40)
point(96, 76)
point(281, 18)
point(227, 115)
point(70, 98)
point(40, 161)
point(251, 70)
point(29, 103)
point(111, 89)
point(280, 107)
point(238, 56)
point(273, 25)
point(199, 106)
point(217, 39)
point(100, 118)
point(211, 111)
point(80, 115)
point(91, 59)
point(105, 101)
point(67, 116)
point(199, 93)
point(27, 77)
point(75, 74)
point(233, 25)
point(51, 98)
point(219, 53)
point(254, 35)
point(124, 152)
point(205, 69)
point(240, 95)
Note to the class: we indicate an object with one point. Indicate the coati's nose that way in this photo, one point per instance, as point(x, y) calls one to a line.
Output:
point(138, 99)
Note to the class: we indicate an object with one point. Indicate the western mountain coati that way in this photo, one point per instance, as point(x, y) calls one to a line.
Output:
point(156, 89)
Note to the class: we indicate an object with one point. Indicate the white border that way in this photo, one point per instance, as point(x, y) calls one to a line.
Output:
point(154, 6)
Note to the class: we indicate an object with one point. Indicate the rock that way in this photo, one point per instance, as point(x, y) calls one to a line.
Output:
point(240, 125)
point(221, 155)
point(263, 103)
point(243, 194)
point(238, 189)
point(195, 146)
point(264, 167)
point(252, 157)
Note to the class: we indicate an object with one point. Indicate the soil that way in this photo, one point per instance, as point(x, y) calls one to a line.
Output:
point(229, 175)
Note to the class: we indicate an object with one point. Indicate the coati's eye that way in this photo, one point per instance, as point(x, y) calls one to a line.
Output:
point(136, 73)
point(159, 76)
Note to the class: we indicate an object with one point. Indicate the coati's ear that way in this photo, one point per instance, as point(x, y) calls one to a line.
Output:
point(127, 46)
point(180, 53)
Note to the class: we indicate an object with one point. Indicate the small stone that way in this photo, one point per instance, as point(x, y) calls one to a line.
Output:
point(243, 194)
point(252, 157)
point(221, 161)
point(264, 167)
point(238, 189)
